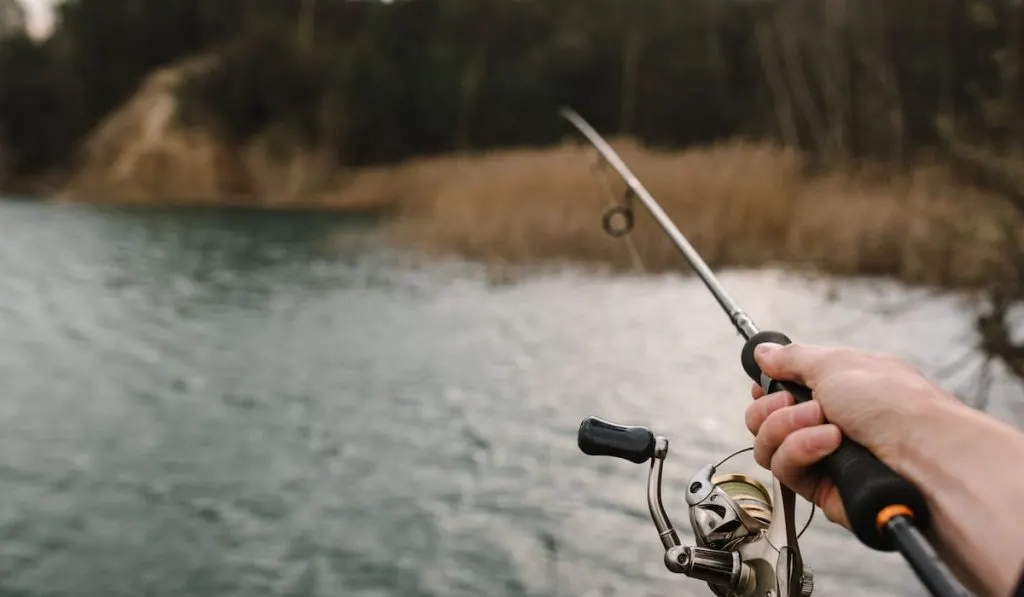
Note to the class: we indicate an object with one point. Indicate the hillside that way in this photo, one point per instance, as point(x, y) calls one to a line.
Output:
point(142, 153)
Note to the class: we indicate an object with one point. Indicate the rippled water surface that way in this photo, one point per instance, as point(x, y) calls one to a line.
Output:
point(231, 403)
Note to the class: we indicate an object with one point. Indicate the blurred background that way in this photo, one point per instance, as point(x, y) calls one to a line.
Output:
point(309, 298)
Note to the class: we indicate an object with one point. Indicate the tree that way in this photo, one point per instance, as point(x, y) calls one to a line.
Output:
point(12, 18)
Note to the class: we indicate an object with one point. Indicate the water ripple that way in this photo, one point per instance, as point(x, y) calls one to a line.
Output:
point(236, 403)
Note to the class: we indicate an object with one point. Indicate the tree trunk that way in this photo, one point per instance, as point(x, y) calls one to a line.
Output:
point(782, 101)
point(470, 89)
point(632, 45)
point(834, 73)
point(307, 23)
point(792, 60)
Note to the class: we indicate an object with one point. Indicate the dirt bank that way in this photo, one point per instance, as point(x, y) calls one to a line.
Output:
point(142, 154)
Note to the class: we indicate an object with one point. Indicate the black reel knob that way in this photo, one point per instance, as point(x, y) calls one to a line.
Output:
point(598, 437)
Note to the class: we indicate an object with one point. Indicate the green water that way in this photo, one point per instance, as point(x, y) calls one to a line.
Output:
point(232, 403)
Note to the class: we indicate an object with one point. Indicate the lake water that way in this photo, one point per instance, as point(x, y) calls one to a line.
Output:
point(234, 403)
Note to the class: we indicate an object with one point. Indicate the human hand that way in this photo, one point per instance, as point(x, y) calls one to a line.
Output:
point(874, 399)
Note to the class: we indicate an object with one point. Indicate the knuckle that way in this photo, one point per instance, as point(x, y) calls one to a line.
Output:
point(816, 360)
point(778, 466)
point(780, 399)
point(839, 355)
point(762, 454)
point(805, 446)
point(792, 458)
point(752, 417)
point(775, 421)
point(774, 426)
point(782, 461)
point(892, 359)
point(804, 414)
point(758, 412)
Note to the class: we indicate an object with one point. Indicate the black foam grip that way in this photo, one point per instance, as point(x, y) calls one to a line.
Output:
point(866, 485)
point(598, 437)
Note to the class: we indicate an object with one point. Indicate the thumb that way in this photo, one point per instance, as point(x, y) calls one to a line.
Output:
point(792, 362)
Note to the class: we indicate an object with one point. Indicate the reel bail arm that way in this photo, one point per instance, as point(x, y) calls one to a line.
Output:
point(742, 549)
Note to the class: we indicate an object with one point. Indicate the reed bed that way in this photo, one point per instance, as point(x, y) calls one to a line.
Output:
point(740, 204)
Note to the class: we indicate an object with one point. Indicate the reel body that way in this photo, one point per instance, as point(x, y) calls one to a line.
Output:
point(743, 546)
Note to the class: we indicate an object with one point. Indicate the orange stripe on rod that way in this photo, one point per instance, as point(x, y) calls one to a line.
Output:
point(889, 512)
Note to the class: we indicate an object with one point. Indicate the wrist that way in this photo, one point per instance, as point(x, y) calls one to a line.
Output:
point(952, 454)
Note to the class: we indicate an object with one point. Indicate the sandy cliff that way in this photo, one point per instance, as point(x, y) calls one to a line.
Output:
point(143, 154)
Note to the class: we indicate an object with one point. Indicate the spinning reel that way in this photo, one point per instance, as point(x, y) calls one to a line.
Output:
point(744, 548)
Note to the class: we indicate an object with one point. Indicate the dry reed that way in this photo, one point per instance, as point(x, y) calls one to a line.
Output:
point(740, 204)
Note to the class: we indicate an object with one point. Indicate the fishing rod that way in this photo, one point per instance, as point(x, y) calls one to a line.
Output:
point(743, 549)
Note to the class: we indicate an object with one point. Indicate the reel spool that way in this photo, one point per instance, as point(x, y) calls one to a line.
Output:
point(748, 493)
point(736, 510)
point(744, 548)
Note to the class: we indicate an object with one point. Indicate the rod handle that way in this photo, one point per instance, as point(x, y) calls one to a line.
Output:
point(597, 437)
point(872, 493)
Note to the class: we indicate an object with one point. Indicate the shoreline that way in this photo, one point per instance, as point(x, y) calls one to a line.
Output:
point(740, 204)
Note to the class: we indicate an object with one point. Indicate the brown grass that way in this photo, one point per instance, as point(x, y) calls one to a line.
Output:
point(739, 204)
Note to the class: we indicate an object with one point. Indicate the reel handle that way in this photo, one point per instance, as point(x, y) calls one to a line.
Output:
point(872, 493)
point(597, 437)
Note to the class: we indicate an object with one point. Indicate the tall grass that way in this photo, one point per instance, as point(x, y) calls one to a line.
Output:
point(740, 204)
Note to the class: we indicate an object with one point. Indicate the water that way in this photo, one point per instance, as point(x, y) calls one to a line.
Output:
point(230, 403)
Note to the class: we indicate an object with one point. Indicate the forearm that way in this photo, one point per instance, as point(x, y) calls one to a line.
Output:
point(975, 499)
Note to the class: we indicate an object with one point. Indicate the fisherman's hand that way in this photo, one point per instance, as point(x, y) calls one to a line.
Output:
point(874, 399)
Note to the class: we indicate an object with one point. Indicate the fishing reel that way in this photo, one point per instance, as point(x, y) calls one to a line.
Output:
point(744, 548)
